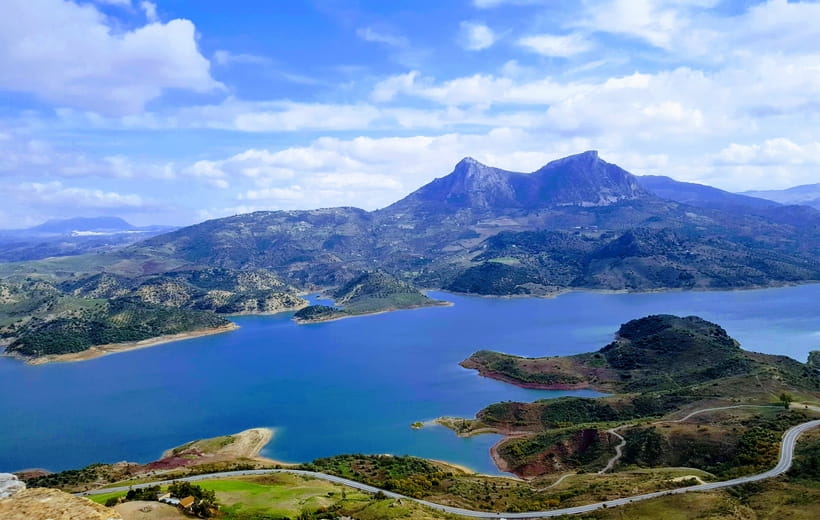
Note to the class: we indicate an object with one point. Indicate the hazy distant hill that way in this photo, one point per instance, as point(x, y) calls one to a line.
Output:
point(701, 195)
point(70, 225)
point(806, 195)
point(73, 236)
point(577, 222)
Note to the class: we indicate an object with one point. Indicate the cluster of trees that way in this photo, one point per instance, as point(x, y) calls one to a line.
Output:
point(118, 321)
point(204, 505)
point(508, 365)
point(580, 448)
point(75, 477)
point(410, 476)
point(204, 499)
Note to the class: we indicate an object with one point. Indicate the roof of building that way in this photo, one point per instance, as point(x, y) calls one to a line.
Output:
point(186, 502)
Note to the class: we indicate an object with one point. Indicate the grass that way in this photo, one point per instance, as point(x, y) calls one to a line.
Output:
point(101, 499)
point(507, 260)
point(288, 495)
point(206, 445)
point(772, 500)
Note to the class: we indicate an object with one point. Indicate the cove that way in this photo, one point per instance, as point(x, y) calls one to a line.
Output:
point(347, 386)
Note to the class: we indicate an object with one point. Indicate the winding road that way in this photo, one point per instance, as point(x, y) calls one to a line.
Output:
point(786, 455)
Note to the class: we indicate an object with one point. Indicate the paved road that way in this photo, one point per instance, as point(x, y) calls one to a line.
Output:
point(705, 410)
point(785, 462)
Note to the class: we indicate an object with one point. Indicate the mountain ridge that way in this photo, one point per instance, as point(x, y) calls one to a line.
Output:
point(577, 222)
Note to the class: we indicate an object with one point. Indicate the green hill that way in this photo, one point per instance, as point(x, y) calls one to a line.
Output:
point(655, 353)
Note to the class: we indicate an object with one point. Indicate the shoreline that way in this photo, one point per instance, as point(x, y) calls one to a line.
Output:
point(568, 290)
point(115, 348)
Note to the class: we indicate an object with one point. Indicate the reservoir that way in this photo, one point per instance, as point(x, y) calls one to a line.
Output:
point(347, 386)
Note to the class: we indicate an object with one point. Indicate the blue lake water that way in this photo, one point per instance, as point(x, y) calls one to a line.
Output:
point(348, 386)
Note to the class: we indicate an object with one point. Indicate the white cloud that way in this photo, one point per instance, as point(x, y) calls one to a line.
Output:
point(369, 34)
point(150, 10)
point(307, 116)
point(776, 26)
point(56, 194)
point(777, 151)
point(487, 4)
point(555, 45)
point(293, 193)
point(69, 55)
point(223, 57)
point(654, 21)
point(475, 36)
point(26, 157)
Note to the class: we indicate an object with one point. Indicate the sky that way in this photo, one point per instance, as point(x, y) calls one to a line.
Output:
point(177, 111)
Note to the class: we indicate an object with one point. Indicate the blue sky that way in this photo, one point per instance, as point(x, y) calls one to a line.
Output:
point(176, 111)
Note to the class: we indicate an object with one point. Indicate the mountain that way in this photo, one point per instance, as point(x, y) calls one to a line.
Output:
point(581, 180)
point(81, 224)
point(471, 185)
point(578, 180)
point(805, 195)
point(578, 222)
point(701, 195)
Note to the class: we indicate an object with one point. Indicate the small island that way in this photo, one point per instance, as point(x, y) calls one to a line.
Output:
point(369, 293)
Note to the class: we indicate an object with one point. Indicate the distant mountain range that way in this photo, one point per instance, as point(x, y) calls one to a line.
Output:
point(702, 196)
point(806, 195)
point(73, 236)
point(578, 222)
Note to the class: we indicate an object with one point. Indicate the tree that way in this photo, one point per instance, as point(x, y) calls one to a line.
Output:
point(786, 399)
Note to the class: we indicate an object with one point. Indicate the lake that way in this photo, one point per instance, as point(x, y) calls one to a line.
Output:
point(348, 386)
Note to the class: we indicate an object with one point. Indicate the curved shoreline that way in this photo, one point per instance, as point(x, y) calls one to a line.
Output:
point(788, 441)
point(115, 348)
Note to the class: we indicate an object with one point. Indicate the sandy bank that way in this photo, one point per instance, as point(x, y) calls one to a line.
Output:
point(244, 445)
point(341, 316)
point(114, 348)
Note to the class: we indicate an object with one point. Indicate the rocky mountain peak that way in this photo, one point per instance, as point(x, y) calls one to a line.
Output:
point(470, 167)
point(585, 180)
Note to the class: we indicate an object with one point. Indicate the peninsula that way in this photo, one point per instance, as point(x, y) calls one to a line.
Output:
point(660, 366)
point(369, 293)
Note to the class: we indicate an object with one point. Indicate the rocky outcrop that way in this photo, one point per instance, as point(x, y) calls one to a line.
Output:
point(53, 504)
point(9, 485)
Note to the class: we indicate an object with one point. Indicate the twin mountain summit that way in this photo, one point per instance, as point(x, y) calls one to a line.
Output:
point(578, 222)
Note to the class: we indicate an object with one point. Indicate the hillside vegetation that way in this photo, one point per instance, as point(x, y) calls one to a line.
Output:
point(40, 318)
point(655, 367)
point(367, 293)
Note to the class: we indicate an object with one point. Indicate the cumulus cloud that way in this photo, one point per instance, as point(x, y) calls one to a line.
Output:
point(56, 194)
point(69, 55)
point(150, 10)
point(556, 45)
point(368, 172)
point(475, 36)
point(654, 21)
point(26, 157)
point(775, 151)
